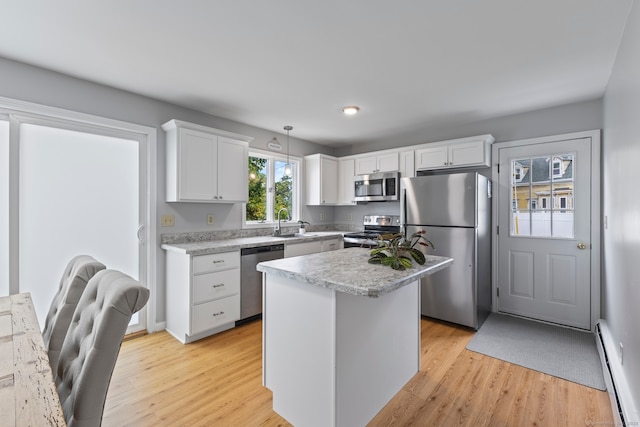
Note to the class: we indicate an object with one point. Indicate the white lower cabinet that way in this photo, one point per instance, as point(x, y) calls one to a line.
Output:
point(203, 294)
point(332, 245)
point(303, 248)
point(313, 247)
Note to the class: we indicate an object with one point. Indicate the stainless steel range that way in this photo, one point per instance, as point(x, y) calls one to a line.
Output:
point(374, 225)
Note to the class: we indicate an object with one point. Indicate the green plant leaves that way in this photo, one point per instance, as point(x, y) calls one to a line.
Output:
point(396, 251)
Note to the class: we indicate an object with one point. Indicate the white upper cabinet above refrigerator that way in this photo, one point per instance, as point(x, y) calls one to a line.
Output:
point(464, 152)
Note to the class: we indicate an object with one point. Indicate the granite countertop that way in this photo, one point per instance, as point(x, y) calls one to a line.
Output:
point(347, 270)
point(235, 244)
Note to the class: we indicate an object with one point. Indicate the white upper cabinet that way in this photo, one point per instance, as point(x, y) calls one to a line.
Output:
point(346, 172)
point(321, 173)
point(465, 152)
point(407, 164)
point(205, 164)
point(377, 163)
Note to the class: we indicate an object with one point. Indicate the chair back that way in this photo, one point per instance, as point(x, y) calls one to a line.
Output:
point(74, 279)
point(92, 344)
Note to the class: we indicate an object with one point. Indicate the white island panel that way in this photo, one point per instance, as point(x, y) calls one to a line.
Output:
point(377, 351)
point(335, 359)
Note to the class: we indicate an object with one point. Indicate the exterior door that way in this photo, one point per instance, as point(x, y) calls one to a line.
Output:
point(545, 231)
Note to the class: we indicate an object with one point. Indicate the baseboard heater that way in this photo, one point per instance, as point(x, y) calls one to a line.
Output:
point(623, 411)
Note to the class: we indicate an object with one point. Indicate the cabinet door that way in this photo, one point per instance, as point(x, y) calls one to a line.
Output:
point(329, 178)
point(366, 165)
point(432, 158)
point(304, 248)
point(197, 171)
point(233, 171)
point(467, 153)
point(388, 162)
point(332, 245)
point(346, 171)
point(407, 164)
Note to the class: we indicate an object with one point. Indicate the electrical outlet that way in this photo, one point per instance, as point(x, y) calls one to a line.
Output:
point(621, 353)
point(350, 217)
point(321, 216)
point(168, 220)
point(210, 219)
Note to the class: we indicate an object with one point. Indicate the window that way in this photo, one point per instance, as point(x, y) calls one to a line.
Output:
point(556, 168)
point(517, 172)
point(545, 185)
point(271, 190)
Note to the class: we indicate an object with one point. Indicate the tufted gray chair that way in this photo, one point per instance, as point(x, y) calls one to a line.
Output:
point(74, 279)
point(92, 344)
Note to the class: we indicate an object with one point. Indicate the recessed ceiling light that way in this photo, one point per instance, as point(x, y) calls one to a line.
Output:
point(350, 110)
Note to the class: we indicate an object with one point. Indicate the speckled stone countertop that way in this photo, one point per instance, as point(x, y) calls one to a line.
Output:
point(228, 245)
point(347, 270)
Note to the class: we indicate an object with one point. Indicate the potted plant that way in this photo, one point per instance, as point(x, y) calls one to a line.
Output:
point(302, 226)
point(396, 251)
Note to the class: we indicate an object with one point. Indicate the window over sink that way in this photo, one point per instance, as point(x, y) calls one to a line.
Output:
point(270, 189)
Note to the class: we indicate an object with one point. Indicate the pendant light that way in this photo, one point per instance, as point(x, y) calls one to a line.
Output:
point(287, 167)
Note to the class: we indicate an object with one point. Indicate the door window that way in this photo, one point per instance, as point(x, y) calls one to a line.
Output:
point(541, 191)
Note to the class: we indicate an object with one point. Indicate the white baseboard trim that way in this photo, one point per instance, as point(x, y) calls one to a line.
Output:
point(622, 406)
point(159, 326)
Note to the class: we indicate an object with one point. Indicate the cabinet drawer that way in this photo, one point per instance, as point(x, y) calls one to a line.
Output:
point(210, 286)
point(215, 313)
point(215, 262)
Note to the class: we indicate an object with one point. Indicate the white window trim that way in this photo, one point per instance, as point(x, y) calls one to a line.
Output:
point(297, 184)
point(15, 109)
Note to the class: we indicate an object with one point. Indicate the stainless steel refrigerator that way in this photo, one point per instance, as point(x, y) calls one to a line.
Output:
point(455, 211)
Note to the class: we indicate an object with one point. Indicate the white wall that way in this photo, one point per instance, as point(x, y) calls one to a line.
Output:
point(621, 204)
point(27, 83)
point(33, 84)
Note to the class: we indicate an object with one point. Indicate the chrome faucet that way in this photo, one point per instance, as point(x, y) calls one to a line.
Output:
point(278, 230)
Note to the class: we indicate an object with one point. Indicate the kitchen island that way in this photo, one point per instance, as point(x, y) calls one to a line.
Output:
point(340, 336)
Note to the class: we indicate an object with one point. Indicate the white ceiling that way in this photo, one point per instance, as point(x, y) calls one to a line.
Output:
point(409, 65)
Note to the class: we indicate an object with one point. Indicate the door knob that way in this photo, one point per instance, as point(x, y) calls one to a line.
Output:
point(582, 246)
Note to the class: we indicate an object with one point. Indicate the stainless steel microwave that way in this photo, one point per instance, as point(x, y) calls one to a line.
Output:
point(377, 187)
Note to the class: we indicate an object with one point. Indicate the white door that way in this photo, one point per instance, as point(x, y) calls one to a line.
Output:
point(545, 235)
point(81, 191)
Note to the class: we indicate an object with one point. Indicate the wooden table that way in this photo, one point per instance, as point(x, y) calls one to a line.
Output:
point(28, 395)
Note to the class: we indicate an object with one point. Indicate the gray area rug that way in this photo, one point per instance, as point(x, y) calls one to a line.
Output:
point(561, 352)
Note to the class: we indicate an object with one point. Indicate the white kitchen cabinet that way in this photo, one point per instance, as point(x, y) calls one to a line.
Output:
point(302, 248)
point(321, 172)
point(465, 152)
point(407, 164)
point(205, 164)
point(332, 244)
point(377, 163)
point(313, 247)
point(203, 294)
point(346, 172)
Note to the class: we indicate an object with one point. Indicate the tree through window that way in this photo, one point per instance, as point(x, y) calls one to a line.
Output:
point(270, 189)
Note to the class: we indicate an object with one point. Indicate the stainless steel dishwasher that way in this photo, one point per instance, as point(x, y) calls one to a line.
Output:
point(251, 279)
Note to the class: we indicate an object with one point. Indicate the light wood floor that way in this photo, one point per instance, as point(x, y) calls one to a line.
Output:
point(217, 381)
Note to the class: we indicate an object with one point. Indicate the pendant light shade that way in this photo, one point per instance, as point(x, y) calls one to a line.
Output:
point(287, 167)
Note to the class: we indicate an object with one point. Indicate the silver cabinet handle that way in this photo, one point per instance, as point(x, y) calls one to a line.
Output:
point(218, 314)
point(218, 286)
point(217, 261)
